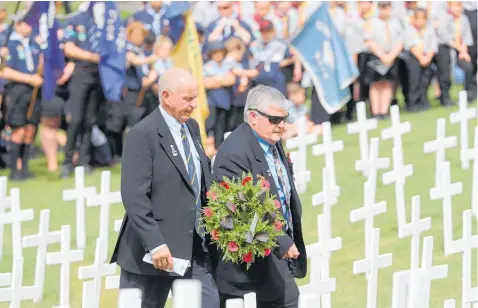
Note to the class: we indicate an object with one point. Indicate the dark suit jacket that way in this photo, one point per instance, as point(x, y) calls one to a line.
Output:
point(241, 152)
point(157, 196)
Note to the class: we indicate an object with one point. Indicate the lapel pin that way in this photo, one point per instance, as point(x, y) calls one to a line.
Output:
point(173, 150)
point(269, 173)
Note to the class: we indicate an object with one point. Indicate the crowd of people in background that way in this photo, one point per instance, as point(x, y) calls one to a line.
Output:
point(397, 46)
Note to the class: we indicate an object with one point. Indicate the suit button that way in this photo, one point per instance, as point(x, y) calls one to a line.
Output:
point(191, 231)
point(192, 209)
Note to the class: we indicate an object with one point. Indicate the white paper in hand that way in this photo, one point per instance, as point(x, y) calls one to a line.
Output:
point(180, 266)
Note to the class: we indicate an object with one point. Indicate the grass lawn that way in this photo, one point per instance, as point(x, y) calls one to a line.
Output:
point(46, 193)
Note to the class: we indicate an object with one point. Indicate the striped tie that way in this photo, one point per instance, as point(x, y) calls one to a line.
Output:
point(285, 207)
point(192, 180)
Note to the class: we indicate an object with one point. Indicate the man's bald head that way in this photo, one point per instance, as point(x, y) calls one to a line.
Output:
point(178, 91)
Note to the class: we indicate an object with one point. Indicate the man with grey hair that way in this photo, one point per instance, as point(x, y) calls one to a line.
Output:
point(255, 147)
point(164, 178)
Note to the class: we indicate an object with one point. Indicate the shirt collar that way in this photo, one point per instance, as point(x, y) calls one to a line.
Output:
point(266, 146)
point(173, 124)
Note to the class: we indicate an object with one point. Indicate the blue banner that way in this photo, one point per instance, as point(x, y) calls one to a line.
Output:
point(327, 60)
point(41, 17)
point(112, 49)
point(175, 15)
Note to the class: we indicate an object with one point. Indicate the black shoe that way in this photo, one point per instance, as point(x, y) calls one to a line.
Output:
point(17, 175)
point(66, 171)
point(27, 174)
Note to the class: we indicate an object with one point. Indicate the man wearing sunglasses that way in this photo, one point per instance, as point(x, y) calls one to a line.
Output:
point(256, 147)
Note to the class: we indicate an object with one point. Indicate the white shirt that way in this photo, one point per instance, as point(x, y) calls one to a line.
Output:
point(175, 129)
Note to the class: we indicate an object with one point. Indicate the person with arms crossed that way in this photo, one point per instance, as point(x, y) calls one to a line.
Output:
point(164, 179)
point(255, 147)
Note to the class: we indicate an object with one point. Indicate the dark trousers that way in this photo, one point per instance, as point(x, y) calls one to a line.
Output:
point(472, 17)
point(442, 60)
point(83, 106)
point(318, 115)
point(419, 79)
point(217, 124)
point(289, 298)
point(235, 118)
point(155, 289)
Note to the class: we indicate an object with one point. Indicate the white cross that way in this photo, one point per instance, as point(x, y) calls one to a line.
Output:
point(449, 303)
point(397, 129)
point(41, 240)
point(301, 178)
point(5, 279)
point(16, 292)
point(250, 300)
point(445, 192)
point(15, 217)
point(117, 225)
point(192, 288)
point(439, 146)
point(414, 229)
point(4, 199)
point(369, 210)
point(462, 116)
point(471, 154)
point(398, 176)
point(327, 197)
point(64, 257)
point(319, 254)
point(327, 148)
point(301, 142)
point(129, 298)
point(97, 271)
point(373, 163)
point(370, 266)
point(400, 288)
point(362, 126)
point(80, 194)
point(465, 246)
point(104, 199)
point(420, 279)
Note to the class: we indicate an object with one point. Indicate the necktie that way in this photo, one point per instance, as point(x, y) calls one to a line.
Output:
point(285, 208)
point(28, 55)
point(193, 180)
point(93, 36)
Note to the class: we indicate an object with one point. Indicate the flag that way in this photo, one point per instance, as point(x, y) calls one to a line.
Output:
point(42, 18)
point(327, 61)
point(112, 49)
point(187, 55)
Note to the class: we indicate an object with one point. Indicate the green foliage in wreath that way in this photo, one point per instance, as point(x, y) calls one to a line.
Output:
point(234, 207)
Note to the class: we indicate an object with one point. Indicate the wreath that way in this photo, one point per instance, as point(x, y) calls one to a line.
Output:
point(243, 219)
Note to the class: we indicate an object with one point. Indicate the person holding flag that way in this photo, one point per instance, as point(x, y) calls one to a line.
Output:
point(24, 62)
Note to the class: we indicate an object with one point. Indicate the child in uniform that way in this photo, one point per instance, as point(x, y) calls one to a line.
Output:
point(422, 45)
point(23, 62)
point(298, 109)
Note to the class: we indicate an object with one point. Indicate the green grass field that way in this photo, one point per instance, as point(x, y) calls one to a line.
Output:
point(46, 193)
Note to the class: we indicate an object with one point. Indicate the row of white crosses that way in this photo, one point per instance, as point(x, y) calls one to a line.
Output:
point(84, 196)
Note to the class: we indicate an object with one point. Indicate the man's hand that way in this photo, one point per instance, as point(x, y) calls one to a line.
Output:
point(464, 56)
point(162, 259)
point(292, 253)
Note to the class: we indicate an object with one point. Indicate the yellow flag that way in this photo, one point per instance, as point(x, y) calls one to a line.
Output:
point(187, 55)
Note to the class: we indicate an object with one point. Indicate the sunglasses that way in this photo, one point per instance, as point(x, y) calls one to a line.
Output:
point(276, 120)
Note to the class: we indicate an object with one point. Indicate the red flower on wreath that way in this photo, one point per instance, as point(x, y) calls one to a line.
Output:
point(211, 195)
point(288, 157)
point(208, 212)
point(267, 252)
point(232, 246)
point(214, 235)
point(265, 184)
point(277, 203)
point(247, 257)
point(224, 184)
point(246, 180)
point(278, 225)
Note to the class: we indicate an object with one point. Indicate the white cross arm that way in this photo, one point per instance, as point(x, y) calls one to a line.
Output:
point(32, 240)
point(450, 190)
point(97, 200)
point(129, 298)
point(117, 224)
point(364, 266)
point(368, 211)
point(112, 282)
point(319, 288)
point(61, 257)
point(88, 272)
point(5, 279)
point(23, 215)
point(72, 194)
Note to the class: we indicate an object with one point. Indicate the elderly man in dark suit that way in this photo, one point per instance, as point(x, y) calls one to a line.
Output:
point(164, 178)
point(255, 147)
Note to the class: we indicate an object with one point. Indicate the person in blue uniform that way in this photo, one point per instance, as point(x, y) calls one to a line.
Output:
point(270, 56)
point(81, 39)
point(129, 110)
point(218, 81)
point(22, 68)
